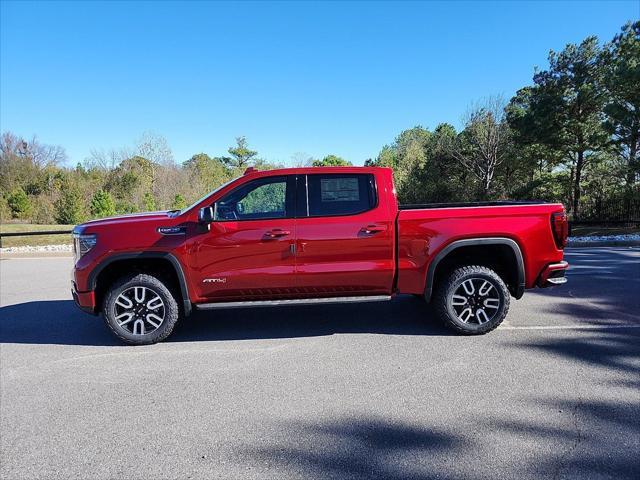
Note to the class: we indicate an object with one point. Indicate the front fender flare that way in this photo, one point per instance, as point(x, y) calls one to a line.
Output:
point(93, 276)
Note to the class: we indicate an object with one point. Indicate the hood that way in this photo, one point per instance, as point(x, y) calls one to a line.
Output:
point(129, 219)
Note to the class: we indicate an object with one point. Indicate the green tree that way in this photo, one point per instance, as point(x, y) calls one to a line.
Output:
point(19, 203)
point(179, 202)
point(241, 155)
point(621, 62)
point(149, 202)
point(331, 161)
point(208, 172)
point(440, 177)
point(102, 205)
point(406, 155)
point(69, 207)
point(564, 109)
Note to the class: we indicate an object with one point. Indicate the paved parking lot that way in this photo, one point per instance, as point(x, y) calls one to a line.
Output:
point(352, 391)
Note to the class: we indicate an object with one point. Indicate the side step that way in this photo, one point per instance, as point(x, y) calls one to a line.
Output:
point(302, 301)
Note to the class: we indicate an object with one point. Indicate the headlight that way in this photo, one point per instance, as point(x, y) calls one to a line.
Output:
point(82, 243)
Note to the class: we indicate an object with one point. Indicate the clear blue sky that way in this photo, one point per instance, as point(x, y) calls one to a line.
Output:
point(320, 78)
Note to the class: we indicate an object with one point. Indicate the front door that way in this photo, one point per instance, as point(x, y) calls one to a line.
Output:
point(345, 241)
point(249, 253)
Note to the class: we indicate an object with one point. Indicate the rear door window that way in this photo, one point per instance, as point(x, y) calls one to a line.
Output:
point(340, 194)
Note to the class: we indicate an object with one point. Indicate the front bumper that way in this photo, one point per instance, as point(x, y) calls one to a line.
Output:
point(553, 275)
point(85, 301)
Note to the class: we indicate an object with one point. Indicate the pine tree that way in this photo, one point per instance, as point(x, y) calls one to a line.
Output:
point(102, 205)
point(19, 203)
point(69, 208)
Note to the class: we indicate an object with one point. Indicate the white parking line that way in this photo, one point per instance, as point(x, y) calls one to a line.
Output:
point(569, 327)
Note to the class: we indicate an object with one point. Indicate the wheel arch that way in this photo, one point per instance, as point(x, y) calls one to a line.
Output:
point(98, 273)
point(517, 285)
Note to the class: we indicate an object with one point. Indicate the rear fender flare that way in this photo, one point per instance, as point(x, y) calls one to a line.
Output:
point(431, 271)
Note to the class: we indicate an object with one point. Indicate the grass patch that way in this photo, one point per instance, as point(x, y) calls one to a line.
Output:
point(35, 240)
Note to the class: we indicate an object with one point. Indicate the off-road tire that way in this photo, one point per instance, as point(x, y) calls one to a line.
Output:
point(171, 309)
point(447, 287)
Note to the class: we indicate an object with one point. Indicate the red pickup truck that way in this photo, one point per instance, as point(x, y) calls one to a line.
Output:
point(314, 235)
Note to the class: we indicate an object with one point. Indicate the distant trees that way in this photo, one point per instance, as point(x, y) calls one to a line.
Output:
point(572, 135)
point(407, 156)
point(331, 161)
point(621, 78)
point(207, 172)
point(425, 167)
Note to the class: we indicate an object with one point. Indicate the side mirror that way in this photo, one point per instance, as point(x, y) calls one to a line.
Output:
point(205, 215)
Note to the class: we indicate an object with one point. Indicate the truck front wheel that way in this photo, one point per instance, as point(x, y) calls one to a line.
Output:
point(472, 300)
point(140, 309)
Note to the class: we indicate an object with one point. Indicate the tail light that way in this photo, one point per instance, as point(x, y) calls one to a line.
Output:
point(560, 228)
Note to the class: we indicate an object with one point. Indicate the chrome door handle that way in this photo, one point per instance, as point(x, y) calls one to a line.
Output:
point(374, 229)
point(276, 233)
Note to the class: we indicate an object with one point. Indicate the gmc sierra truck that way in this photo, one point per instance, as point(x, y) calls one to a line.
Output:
point(315, 235)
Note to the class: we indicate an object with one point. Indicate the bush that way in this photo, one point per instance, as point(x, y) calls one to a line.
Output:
point(179, 202)
point(5, 210)
point(102, 205)
point(149, 202)
point(69, 207)
point(19, 203)
point(122, 207)
point(43, 211)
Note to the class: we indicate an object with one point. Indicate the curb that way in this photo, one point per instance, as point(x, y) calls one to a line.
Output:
point(605, 243)
point(41, 254)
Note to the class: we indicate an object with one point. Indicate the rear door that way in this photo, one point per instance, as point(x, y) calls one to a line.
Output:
point(344, 236)
point(248, 252)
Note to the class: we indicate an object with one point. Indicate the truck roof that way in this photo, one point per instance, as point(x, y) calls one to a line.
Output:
point(313, 170)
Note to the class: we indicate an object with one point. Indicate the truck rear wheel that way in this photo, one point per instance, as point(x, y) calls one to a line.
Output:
point(140, 310)
point(472, 300)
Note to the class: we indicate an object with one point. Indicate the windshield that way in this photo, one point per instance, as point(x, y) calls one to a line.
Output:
point(208, 194)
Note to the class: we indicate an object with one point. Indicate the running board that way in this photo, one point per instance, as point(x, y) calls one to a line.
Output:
point(302, 301)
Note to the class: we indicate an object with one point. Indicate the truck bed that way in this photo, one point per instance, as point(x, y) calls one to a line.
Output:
point(424, 230)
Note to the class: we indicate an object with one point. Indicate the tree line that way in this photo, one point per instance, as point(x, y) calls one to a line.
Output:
point(572, 135)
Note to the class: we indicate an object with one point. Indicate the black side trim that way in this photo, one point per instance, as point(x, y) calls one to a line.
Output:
point(495, 203)
point(477, 241)
point(93, 276)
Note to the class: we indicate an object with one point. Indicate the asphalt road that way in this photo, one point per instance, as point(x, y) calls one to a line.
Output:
point(369, 391)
